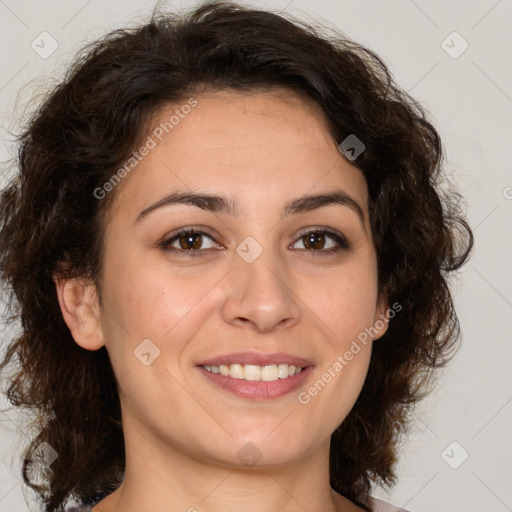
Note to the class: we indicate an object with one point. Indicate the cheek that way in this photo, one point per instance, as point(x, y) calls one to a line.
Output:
point(349, 314)
point(346, 303)
point(150, 298)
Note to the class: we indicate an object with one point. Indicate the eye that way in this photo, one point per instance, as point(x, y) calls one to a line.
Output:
point(317, 241)
point(189, 241)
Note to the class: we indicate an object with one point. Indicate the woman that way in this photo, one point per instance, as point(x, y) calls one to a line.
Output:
point(229, 255)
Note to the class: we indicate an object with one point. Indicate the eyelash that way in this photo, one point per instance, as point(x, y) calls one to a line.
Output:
point(337, 237)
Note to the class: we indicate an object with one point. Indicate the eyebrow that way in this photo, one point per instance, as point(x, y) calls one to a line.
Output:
point(220, 204)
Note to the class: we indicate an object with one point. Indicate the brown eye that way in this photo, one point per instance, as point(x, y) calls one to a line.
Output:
point(190, 241)
point(322, 241)
point(314, 241)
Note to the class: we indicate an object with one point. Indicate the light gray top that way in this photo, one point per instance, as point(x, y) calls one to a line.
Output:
point(382, 506)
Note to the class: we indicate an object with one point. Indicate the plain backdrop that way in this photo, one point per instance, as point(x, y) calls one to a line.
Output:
point(458, 455)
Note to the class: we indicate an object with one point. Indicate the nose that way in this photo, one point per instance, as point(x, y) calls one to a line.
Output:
point(260, 295)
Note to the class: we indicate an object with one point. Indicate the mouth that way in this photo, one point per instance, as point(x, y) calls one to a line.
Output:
point(257, 376)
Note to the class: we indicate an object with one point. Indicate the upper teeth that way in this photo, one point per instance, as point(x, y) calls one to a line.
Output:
point(253, 372)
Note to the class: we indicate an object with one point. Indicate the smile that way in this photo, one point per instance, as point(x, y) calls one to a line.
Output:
point(251, 372)
point(249, 380)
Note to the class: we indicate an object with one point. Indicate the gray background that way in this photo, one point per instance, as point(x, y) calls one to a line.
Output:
point(470, 98)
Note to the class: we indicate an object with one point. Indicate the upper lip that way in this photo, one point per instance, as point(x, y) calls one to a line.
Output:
point(256, 358)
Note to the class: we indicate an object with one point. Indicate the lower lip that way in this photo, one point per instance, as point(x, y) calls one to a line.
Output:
point(258, 390)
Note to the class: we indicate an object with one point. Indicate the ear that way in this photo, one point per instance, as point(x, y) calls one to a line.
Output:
point(381, 321)
point(80, 309)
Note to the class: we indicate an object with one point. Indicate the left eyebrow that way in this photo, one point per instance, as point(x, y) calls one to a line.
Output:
point(312, 202)
point(222, 204)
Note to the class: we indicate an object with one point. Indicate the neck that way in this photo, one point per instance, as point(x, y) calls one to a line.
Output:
point(161, 477)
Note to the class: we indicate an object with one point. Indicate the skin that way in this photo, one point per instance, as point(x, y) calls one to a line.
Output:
point(182, 433)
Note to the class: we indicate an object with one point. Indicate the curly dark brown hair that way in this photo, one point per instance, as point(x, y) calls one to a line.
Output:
point(90, 123)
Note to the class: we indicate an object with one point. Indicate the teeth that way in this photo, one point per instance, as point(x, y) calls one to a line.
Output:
point(255, 373)
point(282, 371)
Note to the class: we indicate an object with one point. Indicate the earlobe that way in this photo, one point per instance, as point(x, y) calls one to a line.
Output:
point(81, 312)
point(381, 317)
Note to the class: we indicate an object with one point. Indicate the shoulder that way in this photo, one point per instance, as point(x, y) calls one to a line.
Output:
point(381, 506)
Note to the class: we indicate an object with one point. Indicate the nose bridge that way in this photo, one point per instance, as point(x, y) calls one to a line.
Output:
point(263, 273)
point(259, 291)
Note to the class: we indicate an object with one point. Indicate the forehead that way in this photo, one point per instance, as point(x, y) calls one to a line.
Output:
point(232, 142)
point(240, 119)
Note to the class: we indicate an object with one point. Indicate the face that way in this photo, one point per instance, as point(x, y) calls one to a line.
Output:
point(259, 276)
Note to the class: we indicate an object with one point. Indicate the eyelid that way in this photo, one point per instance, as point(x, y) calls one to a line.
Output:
point(196, 229)
point(319, 229)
